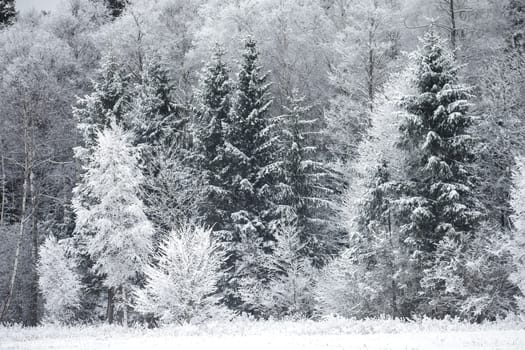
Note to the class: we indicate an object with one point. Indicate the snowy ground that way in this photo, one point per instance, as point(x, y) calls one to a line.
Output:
point(329, 334)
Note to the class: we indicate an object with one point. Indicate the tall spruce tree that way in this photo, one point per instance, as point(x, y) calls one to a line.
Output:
point(214, 106)
point(249, 145)
point(215, 203)
point(440, 207)
point(7, 12)
point(308, 183)
point(250, 173)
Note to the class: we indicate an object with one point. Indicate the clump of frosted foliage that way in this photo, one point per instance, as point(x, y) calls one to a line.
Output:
point(181, 284)
point(517, 245)
point(59, 281)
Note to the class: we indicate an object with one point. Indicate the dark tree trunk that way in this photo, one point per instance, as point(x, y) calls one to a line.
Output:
point(111, 305)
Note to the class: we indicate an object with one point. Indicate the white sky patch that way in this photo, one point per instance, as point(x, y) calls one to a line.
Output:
point(25, 5)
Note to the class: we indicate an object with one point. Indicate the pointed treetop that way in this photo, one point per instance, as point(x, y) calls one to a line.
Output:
point(436, 64)
point(216, 86)
point(252, 99)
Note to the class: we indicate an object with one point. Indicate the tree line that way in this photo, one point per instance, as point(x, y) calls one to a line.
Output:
point(350, 178)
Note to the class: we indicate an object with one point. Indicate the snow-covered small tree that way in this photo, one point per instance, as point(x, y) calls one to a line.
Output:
point(59, 281)
point(290, 292)
point(517, 245)
point(181, 284)
point(475, 276)
point(345, 288)
point(110, 218)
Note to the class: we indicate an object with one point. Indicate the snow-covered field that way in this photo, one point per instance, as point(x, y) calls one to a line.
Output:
point(248, 335)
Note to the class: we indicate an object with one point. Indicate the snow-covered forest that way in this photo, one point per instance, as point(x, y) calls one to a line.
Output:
point(174, 162)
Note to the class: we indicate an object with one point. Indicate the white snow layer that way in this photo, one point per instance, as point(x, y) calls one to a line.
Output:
point(304, 335)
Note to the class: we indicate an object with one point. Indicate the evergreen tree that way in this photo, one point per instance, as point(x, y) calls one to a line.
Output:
point(108, 101)
point(439, 209)
point(215, 202)
point(251, 173)
point(308, 183)
point(7, 12)
point(214, 105)
point(114, 231)
point(249, 145)
point(153, 115)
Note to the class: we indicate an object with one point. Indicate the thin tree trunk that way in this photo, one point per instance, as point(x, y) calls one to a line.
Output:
point(27, 165)
point(125, 313)
point(371, 60)
point(453, 29)
point(371, 73)
point(3, 194)
point(110, 308)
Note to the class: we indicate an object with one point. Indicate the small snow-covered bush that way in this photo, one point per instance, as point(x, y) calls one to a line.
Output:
point(181, 284)
point(517, 244)
point(476, 279)
point(59, 281)
point(290, 289)
point(348, 289)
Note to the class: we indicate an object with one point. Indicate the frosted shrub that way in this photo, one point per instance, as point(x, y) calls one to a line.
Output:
point(180, 286)
point(517, 245)
point(59, 281)
point(290, 289)
point(348, 289)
